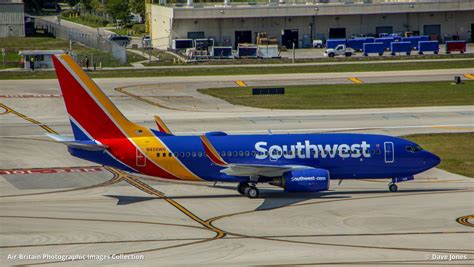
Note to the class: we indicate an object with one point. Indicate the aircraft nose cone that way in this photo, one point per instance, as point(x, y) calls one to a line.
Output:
point(431, 159)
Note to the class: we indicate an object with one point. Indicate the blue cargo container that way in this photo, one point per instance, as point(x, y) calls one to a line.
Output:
point(358, 43)
point(428, 46)
point(396, 37)
point(414, 40)
point(247, 51)
point(373, 48)
point(332, 43)
point(221, 51)
point(386, 42)
point(400, 47)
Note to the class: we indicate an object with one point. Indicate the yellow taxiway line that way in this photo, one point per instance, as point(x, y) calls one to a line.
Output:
point(469, 76)
point(355, 80)
point(241, 83)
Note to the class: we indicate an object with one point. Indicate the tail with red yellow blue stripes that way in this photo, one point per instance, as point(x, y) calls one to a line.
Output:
point(92, 114)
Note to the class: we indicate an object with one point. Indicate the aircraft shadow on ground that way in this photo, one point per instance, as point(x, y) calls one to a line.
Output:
point(275, 198)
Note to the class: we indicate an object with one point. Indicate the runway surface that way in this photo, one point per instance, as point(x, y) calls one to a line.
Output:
point(53, 204)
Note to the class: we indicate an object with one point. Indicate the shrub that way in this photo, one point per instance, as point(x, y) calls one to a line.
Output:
point(68, 13)
point(138, 28)
point(95, 20)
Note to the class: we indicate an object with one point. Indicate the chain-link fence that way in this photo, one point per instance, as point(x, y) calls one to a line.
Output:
point(95, 41)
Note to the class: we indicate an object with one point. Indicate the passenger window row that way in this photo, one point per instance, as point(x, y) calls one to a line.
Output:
point(242, 153)
point(237, 153)
point(180, 154)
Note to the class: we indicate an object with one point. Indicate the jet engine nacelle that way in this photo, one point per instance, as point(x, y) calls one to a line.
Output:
point(307, 180)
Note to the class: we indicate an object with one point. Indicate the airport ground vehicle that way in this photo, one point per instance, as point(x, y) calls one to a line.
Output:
point(295, 162)
point(456, 46)
point(373, 48)
point(401, 47)
point(340, 50)
point(120, 39)
point(318, 44)
point(146, 41)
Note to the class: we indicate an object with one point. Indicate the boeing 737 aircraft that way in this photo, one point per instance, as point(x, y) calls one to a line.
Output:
point(295, 162)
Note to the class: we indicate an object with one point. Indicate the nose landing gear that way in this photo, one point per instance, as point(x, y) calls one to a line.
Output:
point(249, 190)
point(392, 186)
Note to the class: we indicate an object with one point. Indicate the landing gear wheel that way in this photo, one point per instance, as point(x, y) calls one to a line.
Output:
point(241, 187)
point(251, 192)
point(393, 187)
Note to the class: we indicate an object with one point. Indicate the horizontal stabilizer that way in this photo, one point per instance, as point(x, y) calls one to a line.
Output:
point(71, 142)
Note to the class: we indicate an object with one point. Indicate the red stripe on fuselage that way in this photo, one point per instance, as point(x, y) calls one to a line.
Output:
point(83, 108)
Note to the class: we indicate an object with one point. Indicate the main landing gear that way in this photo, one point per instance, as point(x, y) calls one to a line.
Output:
point(249, 190)
point(392, 187)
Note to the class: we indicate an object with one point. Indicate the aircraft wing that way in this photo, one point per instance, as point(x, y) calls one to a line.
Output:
point(237, 169)
point(259, 170)
point(71, 142)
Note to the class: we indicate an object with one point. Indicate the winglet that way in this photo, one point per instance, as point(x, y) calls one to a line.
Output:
point(162, 126)
point(211, 152)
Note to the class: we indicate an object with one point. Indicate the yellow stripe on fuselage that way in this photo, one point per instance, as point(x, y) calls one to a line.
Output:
point(141, 136)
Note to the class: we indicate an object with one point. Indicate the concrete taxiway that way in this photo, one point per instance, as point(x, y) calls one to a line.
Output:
point(55, 205)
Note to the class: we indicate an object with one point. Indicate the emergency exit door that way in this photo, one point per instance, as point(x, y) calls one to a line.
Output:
point(140, 158)
point(389, 153)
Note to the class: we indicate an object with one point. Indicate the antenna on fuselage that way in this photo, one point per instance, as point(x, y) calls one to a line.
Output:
point(270, 131)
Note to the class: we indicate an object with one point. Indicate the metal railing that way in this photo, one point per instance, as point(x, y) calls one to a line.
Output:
point(90, 40)
point(207, 3)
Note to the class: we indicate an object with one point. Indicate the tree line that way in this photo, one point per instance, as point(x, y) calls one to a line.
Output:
point(118, 9)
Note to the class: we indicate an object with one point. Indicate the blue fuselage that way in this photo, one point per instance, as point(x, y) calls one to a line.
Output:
point(345, 156)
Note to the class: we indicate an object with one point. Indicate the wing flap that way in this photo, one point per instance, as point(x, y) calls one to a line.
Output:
point(260, 170)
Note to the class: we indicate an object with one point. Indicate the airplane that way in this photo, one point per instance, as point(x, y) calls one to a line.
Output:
point(294, 162)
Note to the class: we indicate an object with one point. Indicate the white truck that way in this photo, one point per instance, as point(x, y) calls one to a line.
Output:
point(339, 50)
point(318, 44)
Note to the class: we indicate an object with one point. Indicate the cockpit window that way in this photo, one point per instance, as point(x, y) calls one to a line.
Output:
point(413, 149)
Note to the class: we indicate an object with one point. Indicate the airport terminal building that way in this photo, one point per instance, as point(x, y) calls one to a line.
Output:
point(300, 21)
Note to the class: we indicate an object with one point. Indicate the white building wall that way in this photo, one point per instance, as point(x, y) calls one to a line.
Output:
point(12, 21)
point(161, 26)
point(452, 23)
point(220, 28)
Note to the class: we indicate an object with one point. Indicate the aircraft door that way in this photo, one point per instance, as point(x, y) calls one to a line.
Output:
point(140, 159)
point(389, 153)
